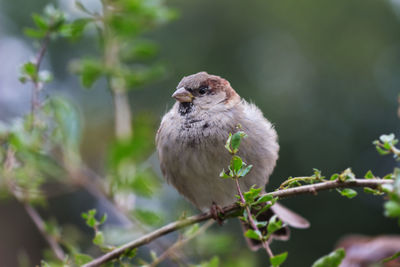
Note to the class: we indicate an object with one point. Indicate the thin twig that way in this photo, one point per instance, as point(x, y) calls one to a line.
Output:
point(36, 82)
point(171, 227)
point(122, 109)
point(40, 224)
point(180, 243)
point(9, 164)
point(251, 220)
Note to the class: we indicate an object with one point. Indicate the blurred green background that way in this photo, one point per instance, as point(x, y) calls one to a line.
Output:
point(326, 73)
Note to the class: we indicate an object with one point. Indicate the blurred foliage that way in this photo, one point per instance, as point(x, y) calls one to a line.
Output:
point(125, 52)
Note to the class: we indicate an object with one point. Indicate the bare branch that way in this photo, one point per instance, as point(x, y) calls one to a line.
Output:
point(228, 210)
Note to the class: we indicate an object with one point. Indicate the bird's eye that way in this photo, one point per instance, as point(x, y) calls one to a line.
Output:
point(203, 90)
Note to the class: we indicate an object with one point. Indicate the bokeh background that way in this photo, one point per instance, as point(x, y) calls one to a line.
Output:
point(326, 73)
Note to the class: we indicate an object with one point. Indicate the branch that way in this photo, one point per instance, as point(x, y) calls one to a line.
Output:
point(36, 83)
point(171, 227)
point(180, 243)
point(40, 224)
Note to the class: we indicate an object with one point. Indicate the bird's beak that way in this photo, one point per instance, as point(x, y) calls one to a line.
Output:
point(182, 95)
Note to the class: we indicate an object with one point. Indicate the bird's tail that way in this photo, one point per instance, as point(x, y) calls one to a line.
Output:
point(288, 217)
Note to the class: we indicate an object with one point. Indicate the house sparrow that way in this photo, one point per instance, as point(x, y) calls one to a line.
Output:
point(191, 139)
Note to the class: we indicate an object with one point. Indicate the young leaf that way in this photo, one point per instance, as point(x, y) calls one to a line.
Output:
point(278, 259)
point(103, 219)
point(274, 224)
point(98, 238)
point(130, 253)
point(236, 139)
point(334, 176)
point(392, 209)
point(372, 191)
point(224, 175)
point(331, 260)
point(29, 69)
point(236, 164)
point(369, 175)
point(81, 259)
point(147, 217)
point(228, 143)
point(251, 195)
point(245, 170)
point(349, 193)
point(382, 151)
point(253, 234)
point(264, 199)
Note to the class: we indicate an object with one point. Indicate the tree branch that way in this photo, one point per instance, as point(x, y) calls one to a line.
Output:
point(228, 210)
point(40, 224)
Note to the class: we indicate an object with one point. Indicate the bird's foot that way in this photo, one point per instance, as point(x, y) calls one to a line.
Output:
point(217, 213)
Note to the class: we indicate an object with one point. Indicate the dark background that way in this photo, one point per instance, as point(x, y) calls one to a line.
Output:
point(326, 73)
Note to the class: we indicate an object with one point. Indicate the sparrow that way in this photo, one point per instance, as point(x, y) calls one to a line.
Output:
point(191, 138)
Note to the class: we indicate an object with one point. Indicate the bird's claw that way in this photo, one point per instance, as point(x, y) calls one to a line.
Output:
point(217, 213)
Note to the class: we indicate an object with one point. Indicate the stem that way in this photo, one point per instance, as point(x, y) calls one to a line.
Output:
point(40, 224)
point(122, 109)
point(180, 243)
point(228, 210)
point(251, 220)
point(9, 165)
point(36, 83)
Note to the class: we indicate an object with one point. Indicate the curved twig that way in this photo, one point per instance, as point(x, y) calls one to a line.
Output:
point(171, 227)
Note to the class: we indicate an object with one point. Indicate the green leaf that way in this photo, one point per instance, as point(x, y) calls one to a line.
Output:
point(392, 209)
point(81, 259)
point(236, 139)
point(90, 71)
point(347, 175)
point(278, 259)
point(228, 143)
point(130, 253)
point(98, 238)
point(349, 193)
point(37, 34)
point(264, 199)
point(148, 217)
point(214, 262)
point(245, 170)
point(372, 191)
point(103, 219)
point(369, 175)
point(29, 69)
point(89, 217)
point(334, 176)
point(331, 260)
point(40, 22)
point(236, 164)
point(382, 151)
point(388, 176)
point(224, 175)
point(394, 256)
point(251, 195)
point(274, 224)
point(253, 234)
point(261, 224)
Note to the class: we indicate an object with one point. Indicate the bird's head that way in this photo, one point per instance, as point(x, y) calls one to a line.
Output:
point(205, 91)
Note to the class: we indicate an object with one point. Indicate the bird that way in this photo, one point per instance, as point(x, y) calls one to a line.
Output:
point(190, 144)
